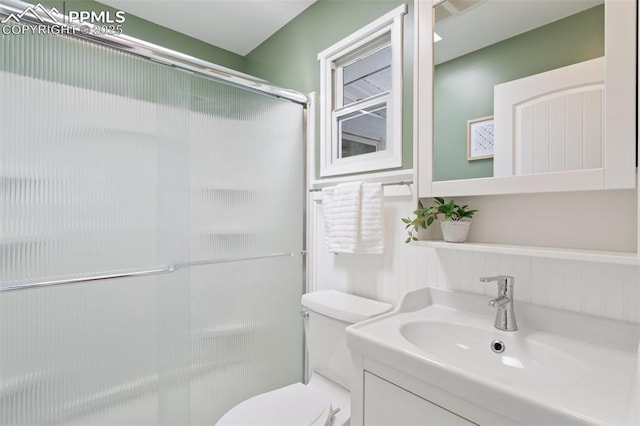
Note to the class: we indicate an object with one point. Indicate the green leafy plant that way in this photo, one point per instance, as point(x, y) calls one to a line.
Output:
point(425, 216)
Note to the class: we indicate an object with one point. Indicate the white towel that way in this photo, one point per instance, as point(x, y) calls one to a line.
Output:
point(371, 239)
point(353, 218)
point(341, 207)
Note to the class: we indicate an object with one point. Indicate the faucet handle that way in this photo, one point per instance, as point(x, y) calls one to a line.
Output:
point(507, 279)
point(504, 281)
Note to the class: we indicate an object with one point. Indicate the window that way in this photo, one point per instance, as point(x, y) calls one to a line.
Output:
point(361, 99)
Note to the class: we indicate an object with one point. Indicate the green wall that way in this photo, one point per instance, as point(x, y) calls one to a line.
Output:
point(289, 57)
point(156, 34)
point(463, 87)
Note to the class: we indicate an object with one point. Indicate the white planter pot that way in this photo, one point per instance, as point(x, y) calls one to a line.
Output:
point(455, 231)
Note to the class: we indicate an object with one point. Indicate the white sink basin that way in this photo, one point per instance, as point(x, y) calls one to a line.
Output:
point(526, 359)
point(540, 374)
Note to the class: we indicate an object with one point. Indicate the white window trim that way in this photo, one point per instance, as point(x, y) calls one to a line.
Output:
point(391, 157)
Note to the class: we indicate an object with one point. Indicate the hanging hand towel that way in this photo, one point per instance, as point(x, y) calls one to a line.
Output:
point(353, 219)
point(371, 238)
point(341, 208)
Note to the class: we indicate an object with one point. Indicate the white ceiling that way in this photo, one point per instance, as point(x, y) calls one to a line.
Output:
point(491, 21)
point(235, 25)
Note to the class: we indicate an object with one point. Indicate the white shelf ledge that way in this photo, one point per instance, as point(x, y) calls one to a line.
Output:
point(616, 257)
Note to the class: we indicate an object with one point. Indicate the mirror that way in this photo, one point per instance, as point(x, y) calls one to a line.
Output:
point(496, 91)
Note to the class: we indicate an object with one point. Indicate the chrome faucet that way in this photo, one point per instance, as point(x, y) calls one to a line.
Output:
point(505, 317)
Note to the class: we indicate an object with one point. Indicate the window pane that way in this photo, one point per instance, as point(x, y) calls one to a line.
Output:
point(363, 131)
point(368, 76)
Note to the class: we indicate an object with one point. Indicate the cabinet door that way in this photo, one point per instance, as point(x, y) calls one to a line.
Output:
point(389, 405)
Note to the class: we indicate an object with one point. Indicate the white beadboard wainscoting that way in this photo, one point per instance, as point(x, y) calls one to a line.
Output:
point(594, 288)
point(385, 276)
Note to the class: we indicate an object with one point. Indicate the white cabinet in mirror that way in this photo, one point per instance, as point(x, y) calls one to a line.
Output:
point(558, 79)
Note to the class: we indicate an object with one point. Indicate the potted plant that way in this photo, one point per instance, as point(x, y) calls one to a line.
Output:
point(453, 224)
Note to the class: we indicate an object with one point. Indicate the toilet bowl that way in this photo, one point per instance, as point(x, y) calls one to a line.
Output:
point(325, 400)
point(315, 404)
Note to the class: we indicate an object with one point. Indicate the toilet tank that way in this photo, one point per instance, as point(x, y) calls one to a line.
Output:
point(330, 312)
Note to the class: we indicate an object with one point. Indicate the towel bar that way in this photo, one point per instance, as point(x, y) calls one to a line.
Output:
point(402, 182)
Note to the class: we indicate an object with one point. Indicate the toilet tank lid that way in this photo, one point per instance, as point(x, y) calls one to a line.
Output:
point(342, 306)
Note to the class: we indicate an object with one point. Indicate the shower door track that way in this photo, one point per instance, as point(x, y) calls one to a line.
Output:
point(153, 52)
point(167, 269)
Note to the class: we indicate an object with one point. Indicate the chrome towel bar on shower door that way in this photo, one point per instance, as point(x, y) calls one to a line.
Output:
point(137, 273)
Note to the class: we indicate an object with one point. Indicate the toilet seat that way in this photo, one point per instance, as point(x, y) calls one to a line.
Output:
point(293, 405)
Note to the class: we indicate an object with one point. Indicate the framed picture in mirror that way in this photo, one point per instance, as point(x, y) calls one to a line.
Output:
point(480, 138)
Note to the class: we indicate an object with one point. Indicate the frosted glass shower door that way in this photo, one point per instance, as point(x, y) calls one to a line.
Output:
point(94, 180)
point(247, 190)
point(110, 163)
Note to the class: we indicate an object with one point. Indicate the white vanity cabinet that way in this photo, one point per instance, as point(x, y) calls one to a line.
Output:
point(386, 404)
point(384, 396)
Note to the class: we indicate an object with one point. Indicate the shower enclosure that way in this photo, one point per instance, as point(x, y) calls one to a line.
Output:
point(151, 237)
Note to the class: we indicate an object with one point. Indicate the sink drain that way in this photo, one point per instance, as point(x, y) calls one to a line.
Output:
point(497, 346)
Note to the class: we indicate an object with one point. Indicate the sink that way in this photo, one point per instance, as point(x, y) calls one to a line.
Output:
point(525, 357)
point(565, 368)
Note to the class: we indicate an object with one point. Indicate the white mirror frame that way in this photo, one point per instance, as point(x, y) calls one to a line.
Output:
point(619, 153)
point(391, 157)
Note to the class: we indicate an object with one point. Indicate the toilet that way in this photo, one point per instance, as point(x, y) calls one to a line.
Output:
point(325, 400)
